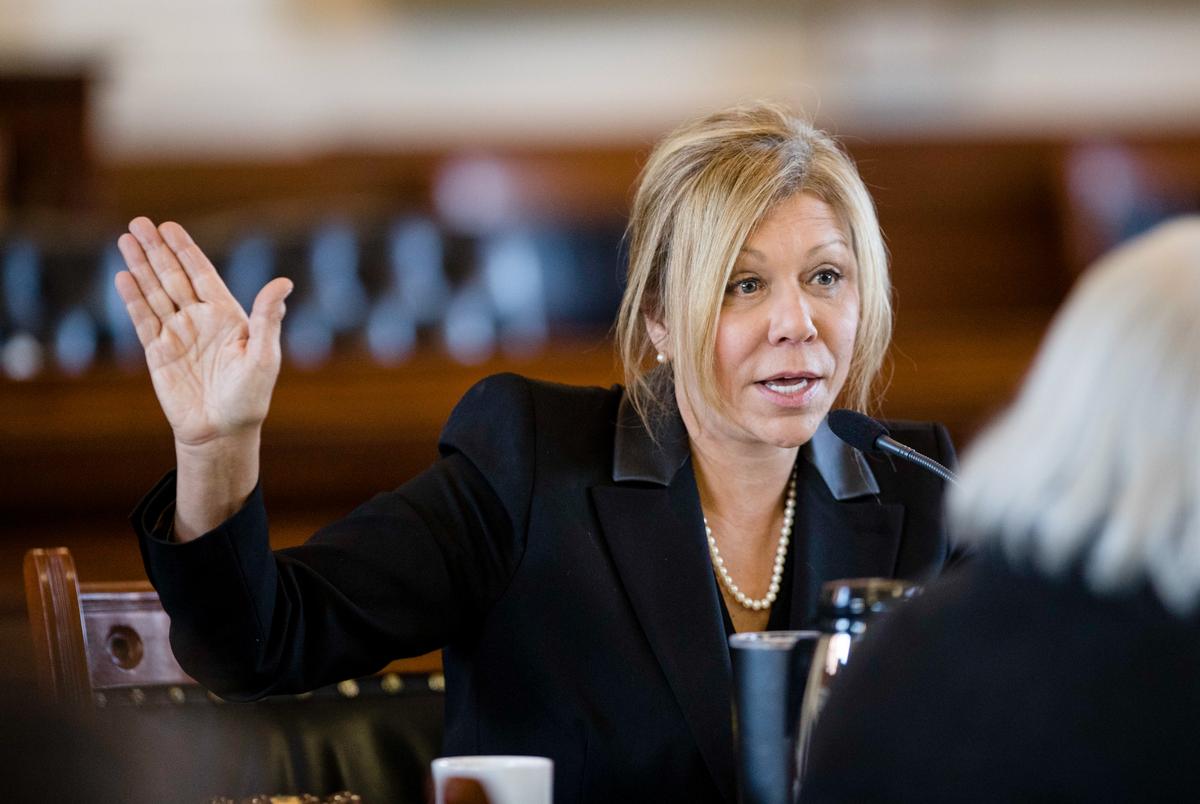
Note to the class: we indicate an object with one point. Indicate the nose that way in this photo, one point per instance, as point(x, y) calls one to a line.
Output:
point(791, 319)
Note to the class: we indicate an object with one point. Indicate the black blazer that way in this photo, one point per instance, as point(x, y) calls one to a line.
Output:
point(557, 552)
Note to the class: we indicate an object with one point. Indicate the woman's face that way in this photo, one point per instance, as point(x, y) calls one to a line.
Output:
point(786, 331)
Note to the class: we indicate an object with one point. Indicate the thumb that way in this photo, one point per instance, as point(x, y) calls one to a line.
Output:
point(266, 319)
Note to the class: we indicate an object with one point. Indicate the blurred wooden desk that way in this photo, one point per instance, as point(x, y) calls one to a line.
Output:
point(93, 445)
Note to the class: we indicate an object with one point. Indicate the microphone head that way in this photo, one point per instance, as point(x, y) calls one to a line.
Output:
point(856, 429)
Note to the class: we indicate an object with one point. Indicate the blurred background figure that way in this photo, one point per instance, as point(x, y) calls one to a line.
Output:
point(251, 265)
point(1061, 665)
point(416, 292)
point(21, 280)
point(126, 351)
point(512, 271)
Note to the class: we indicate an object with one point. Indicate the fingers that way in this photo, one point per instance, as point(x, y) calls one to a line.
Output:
point(143, 274)
point(162, 259)
point(145, 322)
point(266, 319)
point(203, 276)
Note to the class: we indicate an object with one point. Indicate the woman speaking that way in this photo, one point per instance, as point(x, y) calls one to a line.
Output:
point(581, 554)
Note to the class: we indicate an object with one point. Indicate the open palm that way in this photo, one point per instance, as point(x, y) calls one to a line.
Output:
point(213, 367)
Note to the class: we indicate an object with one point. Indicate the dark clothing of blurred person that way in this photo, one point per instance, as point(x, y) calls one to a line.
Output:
point(1000, 684)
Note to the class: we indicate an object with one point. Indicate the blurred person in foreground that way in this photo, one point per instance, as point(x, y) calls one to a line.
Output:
point(581, 554)
point(1064, 663)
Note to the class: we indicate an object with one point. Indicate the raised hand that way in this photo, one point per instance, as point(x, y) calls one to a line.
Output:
point(213, 368)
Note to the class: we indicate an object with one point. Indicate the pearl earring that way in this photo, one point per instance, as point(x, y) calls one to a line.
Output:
point(661, 358)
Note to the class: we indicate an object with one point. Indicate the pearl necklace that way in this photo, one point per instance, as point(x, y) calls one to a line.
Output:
point(785, 532)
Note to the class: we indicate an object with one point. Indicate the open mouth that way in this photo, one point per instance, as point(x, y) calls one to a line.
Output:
point(788, 385)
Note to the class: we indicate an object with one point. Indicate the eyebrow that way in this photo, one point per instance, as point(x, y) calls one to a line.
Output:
point(836, 241)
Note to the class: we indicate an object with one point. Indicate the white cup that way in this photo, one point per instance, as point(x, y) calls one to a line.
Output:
point(506, 780)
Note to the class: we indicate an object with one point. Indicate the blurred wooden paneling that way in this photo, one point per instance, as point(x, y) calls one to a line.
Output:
point(46, 159)
point(974, 224)
point(969, 225)
point(84, 446)
point(566, 185)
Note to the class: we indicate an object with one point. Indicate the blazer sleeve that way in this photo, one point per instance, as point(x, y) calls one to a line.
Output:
point(405, 573)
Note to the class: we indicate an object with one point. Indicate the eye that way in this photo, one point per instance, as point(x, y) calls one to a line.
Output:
point(827, 277)
point(746, 286)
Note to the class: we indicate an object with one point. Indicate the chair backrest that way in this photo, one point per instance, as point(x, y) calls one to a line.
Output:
point(89, 638)
point(107, 643)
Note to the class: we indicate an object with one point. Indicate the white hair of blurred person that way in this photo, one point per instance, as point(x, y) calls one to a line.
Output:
point(1096, 465)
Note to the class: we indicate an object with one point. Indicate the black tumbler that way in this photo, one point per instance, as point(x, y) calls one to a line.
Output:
point(770, 669)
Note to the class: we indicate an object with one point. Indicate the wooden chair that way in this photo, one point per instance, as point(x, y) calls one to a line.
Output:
point(92, 640)
point(106, 644)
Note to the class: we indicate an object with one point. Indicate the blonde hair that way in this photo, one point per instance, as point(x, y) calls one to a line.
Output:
point(701, 193)
point(1096, 463)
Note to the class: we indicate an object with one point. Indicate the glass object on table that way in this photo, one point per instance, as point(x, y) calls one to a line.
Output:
point(844, 610)
point(770, 669)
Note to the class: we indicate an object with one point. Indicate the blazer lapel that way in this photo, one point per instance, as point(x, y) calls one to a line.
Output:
point(655, 533)
point(656, 537)
point(833, 539)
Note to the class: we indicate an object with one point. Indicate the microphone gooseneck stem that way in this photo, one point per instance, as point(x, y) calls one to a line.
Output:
point(889, 444)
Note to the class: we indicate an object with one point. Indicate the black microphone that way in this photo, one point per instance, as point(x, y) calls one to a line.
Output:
point(868, 435)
